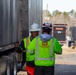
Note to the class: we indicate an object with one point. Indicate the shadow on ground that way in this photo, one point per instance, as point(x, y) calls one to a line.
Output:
point(63, 69)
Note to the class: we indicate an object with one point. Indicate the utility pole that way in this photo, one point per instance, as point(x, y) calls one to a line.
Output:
point(47, 6)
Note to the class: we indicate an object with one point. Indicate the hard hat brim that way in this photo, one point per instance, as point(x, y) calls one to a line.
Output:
point(46, 26)
point(35, 30)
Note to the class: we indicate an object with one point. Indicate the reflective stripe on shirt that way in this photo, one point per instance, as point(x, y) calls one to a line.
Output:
point(51, 51)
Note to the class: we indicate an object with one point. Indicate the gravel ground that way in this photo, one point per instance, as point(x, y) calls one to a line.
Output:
point(65, 63)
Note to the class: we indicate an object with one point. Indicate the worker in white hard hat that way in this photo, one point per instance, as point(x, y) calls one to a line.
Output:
point(34, 30)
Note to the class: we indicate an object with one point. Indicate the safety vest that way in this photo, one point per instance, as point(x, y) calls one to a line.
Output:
point(44, 52)
point(26, 41)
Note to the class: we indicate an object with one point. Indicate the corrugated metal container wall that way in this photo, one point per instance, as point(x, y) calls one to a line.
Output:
point(9, 12)
point(33, 13)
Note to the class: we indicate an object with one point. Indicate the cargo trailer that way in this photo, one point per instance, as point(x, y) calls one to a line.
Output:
point(59, 32)
point(16, 17)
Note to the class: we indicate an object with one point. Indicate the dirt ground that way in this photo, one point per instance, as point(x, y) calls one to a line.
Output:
point(68, 50)
point(65, 64)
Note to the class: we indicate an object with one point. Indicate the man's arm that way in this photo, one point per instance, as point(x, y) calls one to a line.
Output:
point(21, 47)
point(57, 47)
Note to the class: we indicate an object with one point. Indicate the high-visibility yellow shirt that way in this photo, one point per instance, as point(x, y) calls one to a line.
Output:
point(43, 52)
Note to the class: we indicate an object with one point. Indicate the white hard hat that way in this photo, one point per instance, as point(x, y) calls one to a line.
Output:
point(35, 27)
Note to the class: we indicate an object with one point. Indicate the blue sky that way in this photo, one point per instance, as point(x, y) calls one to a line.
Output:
point(61, 5)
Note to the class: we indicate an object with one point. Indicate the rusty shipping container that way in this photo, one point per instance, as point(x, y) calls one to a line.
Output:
point(16, 17)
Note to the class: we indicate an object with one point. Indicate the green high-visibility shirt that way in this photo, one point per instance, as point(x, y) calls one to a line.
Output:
point(43, 53)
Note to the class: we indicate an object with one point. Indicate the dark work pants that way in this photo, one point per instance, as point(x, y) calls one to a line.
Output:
point(44, 70)
point(23, 58)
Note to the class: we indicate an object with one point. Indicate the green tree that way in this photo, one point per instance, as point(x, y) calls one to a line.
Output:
point(56, 13)
point(47, 13)
point(66, 16)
